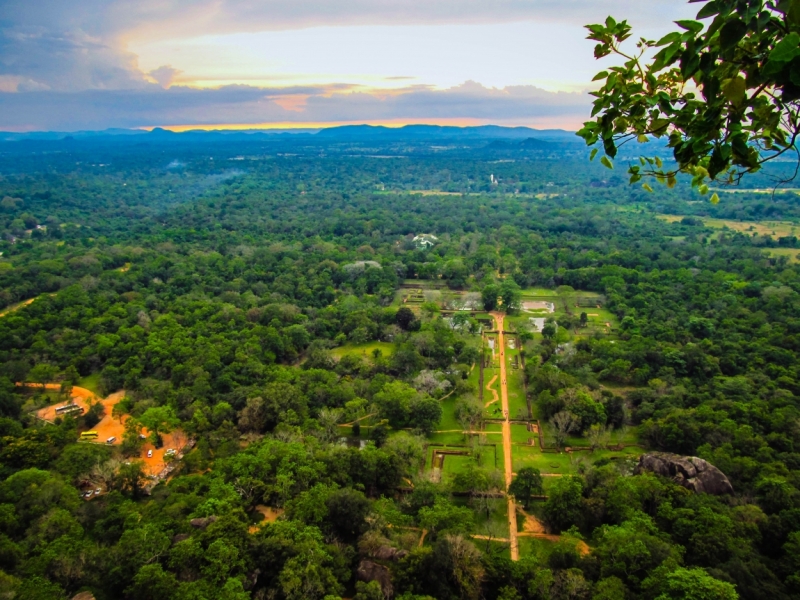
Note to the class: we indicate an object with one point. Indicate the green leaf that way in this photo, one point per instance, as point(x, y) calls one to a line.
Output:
point(731, 33)
point(606, 163)
point(708, 10)
point(659, 163)
point(692, 26)
point(786, 49)
point(714, 198)
point(647, 188)
point(703, 190)
point(675, 36)
point(734, 90)
point(600, 75)
point(593, 154)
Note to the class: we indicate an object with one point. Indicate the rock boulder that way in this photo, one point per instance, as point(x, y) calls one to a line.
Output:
point(371, 571)
point(690, 472)
point(203, 522)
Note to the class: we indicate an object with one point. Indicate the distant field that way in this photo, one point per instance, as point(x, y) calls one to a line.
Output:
point(364, 350)
point(773, 228)
point(792, 253)
point(756, 190)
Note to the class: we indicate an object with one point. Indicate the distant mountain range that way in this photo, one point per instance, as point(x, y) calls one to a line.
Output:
point(418, 133)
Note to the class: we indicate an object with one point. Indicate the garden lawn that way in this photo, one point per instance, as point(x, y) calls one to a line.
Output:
point(546, 462)
point(364, 349)
point(520, 434)
point(517, 405)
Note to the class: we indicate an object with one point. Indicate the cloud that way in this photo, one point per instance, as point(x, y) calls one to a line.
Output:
point(164, 75)
point(40, 58)
point(71, 45)
point(67, 64)
point(178, 105)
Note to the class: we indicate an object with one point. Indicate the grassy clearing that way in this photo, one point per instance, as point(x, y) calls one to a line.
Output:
point(454, 464)
point(91, 383)
point(448, 420)
point(539, 547)
point(446, 438)
point(773, 228)
point(520, 434)
point(365, 350)
point(517, 405)
point(792, 253)
point(530, 456)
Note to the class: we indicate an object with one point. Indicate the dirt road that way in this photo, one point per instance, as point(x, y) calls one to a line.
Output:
point(508, 470)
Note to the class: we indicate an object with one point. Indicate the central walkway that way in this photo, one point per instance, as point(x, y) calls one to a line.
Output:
point(507, 463)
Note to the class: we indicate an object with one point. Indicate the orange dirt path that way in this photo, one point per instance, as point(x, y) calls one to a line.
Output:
point(512, 508)
point(494, 392)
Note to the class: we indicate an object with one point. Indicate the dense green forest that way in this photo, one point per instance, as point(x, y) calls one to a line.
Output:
point(259, 298)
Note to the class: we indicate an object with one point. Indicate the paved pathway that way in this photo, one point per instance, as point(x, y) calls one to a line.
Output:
point(512, 508)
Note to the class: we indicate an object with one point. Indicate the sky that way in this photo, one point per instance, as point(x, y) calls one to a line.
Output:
point(70, 65)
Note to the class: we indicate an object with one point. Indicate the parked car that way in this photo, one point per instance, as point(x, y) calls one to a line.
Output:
point(111, 440)
point(169, 452)
point(149, 454)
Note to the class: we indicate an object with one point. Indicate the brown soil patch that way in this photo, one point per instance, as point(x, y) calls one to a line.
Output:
point(270, 516)
point(500, 540)
point(532, 524)
point(538, 305)
point(156, 463)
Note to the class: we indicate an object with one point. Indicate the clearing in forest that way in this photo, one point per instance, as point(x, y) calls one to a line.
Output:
point(107, 427)
point(792, 253)
point(16, 306)
point(775, 229)
point(110, 426)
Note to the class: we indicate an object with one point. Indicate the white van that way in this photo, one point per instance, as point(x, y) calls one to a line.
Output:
point(111, 440)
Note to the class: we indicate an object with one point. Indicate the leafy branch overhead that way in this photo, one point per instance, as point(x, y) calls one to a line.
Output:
point(724, 93)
